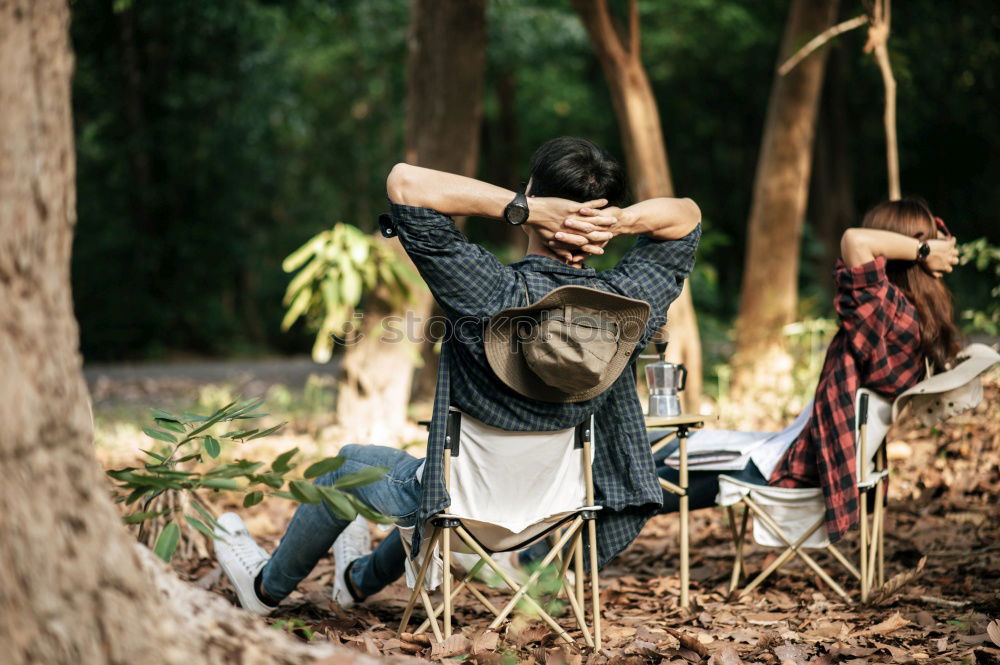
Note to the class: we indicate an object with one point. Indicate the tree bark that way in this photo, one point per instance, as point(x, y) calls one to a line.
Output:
point(769, 293)
point(445, 71)
point(645, 155)
point(74, 588)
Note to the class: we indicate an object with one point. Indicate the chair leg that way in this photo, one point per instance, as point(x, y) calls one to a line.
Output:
point(863, 498)
point(446, 581)
point(431, 617)
point(794, 547)
point(421, 575)
point(738, 545)
point(464, 585)
point(578, 609)
point(475, 547)
point(523, 589)
point(839, 556)
point(874, 548)
point(595, 585)
point(580, 572)
point(685, 517)
point(883, 464)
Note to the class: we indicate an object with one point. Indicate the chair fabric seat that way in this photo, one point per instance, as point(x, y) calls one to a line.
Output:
point(509, 490)
point(795, 509)
point(513, 480)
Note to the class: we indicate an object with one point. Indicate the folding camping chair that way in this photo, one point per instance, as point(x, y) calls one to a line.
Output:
point(793, 518)
point(509, 490)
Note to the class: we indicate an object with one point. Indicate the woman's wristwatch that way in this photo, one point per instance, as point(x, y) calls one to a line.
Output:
point(923, 251)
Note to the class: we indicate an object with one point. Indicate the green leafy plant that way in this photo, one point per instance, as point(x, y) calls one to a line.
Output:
point(985, 258)
point(296, 627)
point(336, 268)
point(165, 490)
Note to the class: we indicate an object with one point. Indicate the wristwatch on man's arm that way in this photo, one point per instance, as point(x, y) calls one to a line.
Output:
point(516, 212)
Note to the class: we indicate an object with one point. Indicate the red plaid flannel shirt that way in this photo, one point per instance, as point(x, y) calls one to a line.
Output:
point(878, 347)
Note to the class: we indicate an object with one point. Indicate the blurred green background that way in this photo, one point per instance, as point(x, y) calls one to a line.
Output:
point(214, 138)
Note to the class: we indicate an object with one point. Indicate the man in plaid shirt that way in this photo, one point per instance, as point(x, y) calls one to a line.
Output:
point(572, 211)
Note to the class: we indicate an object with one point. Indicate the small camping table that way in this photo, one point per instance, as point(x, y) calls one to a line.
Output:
point(682, 425)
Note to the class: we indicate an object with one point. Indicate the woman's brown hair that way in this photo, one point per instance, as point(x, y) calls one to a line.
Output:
point(938, 335)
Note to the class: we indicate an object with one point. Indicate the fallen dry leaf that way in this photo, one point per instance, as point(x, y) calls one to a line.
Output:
point(993, 630)
point(727, 655)
point(688, 642)
point(484, 641)
point(453, 646)
point(791, 653)
point(893, 623)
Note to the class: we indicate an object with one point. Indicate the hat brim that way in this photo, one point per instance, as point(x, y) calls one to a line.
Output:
point(976, 359)
point(629, 314)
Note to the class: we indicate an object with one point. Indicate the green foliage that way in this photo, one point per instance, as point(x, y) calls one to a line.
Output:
point(985, 258)
point(211, 137)
point(336, 268)
point(182, 466)
point(296, 627)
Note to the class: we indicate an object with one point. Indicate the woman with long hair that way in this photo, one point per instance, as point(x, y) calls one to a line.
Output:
point(895, 318)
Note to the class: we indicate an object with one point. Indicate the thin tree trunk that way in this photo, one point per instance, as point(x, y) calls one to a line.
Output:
point(645, 155)
point(502, 159)
point(831, 201)
point(445, 66)
point(769, 294)
point(444, 108)
point(73, 586)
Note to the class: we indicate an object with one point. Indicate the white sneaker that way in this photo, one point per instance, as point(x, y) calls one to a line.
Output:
point(353, 543)
point(241, 559)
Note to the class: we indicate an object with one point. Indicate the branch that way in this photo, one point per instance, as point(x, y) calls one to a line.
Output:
point(603, 35)
point(819, 40)
point(633, 29)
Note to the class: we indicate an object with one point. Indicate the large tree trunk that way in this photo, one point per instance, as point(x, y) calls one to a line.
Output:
point(646, 157)
point(74, 588)
point(769, 293)
point(446, 60)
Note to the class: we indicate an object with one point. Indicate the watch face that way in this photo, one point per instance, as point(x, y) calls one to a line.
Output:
point(515, 214)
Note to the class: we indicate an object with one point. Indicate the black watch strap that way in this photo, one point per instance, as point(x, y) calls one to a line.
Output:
point(923, 251)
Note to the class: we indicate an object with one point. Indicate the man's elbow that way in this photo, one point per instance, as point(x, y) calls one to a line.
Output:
point(689, 217)
point(693, 213)
point(399, 184)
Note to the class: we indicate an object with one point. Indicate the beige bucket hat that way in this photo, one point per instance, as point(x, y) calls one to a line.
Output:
point(951, 392)
point(570, 346)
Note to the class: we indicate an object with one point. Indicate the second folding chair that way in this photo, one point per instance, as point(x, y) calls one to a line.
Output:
point(794, 518)
point(508, 491)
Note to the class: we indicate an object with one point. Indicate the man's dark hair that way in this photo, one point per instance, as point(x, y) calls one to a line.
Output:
point(577, 169)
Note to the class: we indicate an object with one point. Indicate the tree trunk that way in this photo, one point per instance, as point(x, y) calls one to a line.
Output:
point(831, 199)
point(769, 293)
point(74, 588)
point(445, 69)
point(502, 159)
point(645, 156)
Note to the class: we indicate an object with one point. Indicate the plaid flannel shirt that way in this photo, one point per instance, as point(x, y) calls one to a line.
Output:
point(471, 285)
point(877, 347)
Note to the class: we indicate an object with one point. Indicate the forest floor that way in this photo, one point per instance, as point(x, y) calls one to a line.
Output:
point(942, 554)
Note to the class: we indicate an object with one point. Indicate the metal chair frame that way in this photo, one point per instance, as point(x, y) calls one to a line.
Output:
point(872, 531)
point(446, 526)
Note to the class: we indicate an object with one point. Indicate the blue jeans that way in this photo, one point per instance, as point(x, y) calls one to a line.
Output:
point(703, 486)
point(314, 527)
